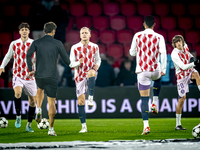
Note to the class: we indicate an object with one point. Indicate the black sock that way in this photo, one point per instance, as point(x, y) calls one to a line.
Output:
point(31, 112)
point(91, 85)
point(145, 108)
point(81, 113)
point(18, 106)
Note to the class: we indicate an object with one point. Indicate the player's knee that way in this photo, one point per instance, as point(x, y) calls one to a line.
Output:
point(91, 73)
point(32, 103)
point(18, 94)
point(81, 102)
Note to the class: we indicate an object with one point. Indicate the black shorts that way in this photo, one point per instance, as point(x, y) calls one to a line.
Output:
point(49, 85)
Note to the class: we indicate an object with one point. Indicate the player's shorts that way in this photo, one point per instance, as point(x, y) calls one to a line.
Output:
point(49, 85)
point(144, 79)
point(182, 84)
point(29, 86)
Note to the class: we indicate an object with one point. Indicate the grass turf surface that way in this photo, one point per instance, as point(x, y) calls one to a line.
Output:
point(100, 130)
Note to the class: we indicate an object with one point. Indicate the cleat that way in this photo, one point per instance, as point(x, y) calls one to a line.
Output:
point(90, 102)
point(38, 116)
point(154, 109)
point(83, 130)
point(18, 123)
point(29, 129)
point(51, 133)
point(179, 128)
point(146, 131)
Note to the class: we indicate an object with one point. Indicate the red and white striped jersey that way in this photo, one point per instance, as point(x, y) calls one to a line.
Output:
point(181, 60)
point(19, 49)
point(147, 45)
point(90, 53)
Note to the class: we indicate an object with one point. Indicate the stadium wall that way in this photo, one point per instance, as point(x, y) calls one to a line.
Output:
point(110, 102)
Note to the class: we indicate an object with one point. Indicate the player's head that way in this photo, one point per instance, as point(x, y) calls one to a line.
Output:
point(50, 28)
point(178, 42)
point(24, 29)
point(149, 22)
point(85, 34)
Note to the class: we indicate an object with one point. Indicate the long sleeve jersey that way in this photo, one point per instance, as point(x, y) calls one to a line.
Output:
point(18, 49)
point(90, 53)
point(147, 45)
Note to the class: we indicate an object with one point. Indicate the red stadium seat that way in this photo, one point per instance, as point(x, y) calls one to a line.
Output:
point(73, 37)
point(107, 37)
point(1, 82)
point(87, 1)
point(5, 49)
point(145, 9)
point(94, 9)
point(197, 22)
point(5, 38)
point(126, 50)
point(135, 23)
point(172, 33)
point(128, 9)
point(9, 10)
point(24, 9)
point(192, 36)
point(1, 25)
point(94, 36)
point(185, 23)
point(178, 9)
point(121, 1)
point(71, 23)
point(118, 22)
point(104, 1)
point(16, 35)
point(124, 36)
point(163, 33)
point(162, 9)
point(101, 22)
point(168, 22)
point(169, 48)
point(83, 21)
point(102, 48)
point(194, 9)
point(77, 9)
point(157, 22)
point(111, 8)
point(115, 50)
point(197, 49)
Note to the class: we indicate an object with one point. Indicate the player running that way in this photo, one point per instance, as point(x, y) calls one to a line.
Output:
point(19, 49)
point(184, 63)
point(147, 45)
point(84, 57)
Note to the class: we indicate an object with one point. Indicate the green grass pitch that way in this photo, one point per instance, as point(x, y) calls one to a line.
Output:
point(100, 130)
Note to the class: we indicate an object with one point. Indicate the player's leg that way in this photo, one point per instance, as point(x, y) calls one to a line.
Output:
point(156, 91)
point(39, 98)
point(18, 93)
point(81, 112)
point(195, 75)
point(31, 112)
point(144, 90)
point(179, 108)
point(91, 84)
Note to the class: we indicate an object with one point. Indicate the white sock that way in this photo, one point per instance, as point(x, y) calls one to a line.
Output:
point(146, 123)
point(199, 87)
point(28, 124)
point(39, 110)
point(155, 99)
point(84, 125)
point(178, 119)
point(51, 128)
point(90, 97)
point(18, 116)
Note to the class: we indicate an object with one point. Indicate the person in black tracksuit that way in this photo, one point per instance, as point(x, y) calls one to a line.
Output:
point(47, 49)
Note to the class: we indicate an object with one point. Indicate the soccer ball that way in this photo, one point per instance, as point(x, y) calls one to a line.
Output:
point(44, 124)
point(3, 122)
point(196, 131)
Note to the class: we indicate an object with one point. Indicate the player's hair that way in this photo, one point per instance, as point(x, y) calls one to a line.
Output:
point(24, 25)
point(149, 21)
point(177, 38)
point(85, 28)
point(49, 27)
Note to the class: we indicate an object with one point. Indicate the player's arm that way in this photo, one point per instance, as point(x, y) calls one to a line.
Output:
point(73, 62)
point(163, 55)
point(64, 54)
point(133, 49)
point(7, 58)
point(97, 60)
point(178, 62)
point(29, 54)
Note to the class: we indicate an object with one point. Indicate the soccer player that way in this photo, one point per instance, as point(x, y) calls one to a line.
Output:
point(84, 57)
point(47, 49)
point(147, 45)
point(18, 49)
point(184, 62)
